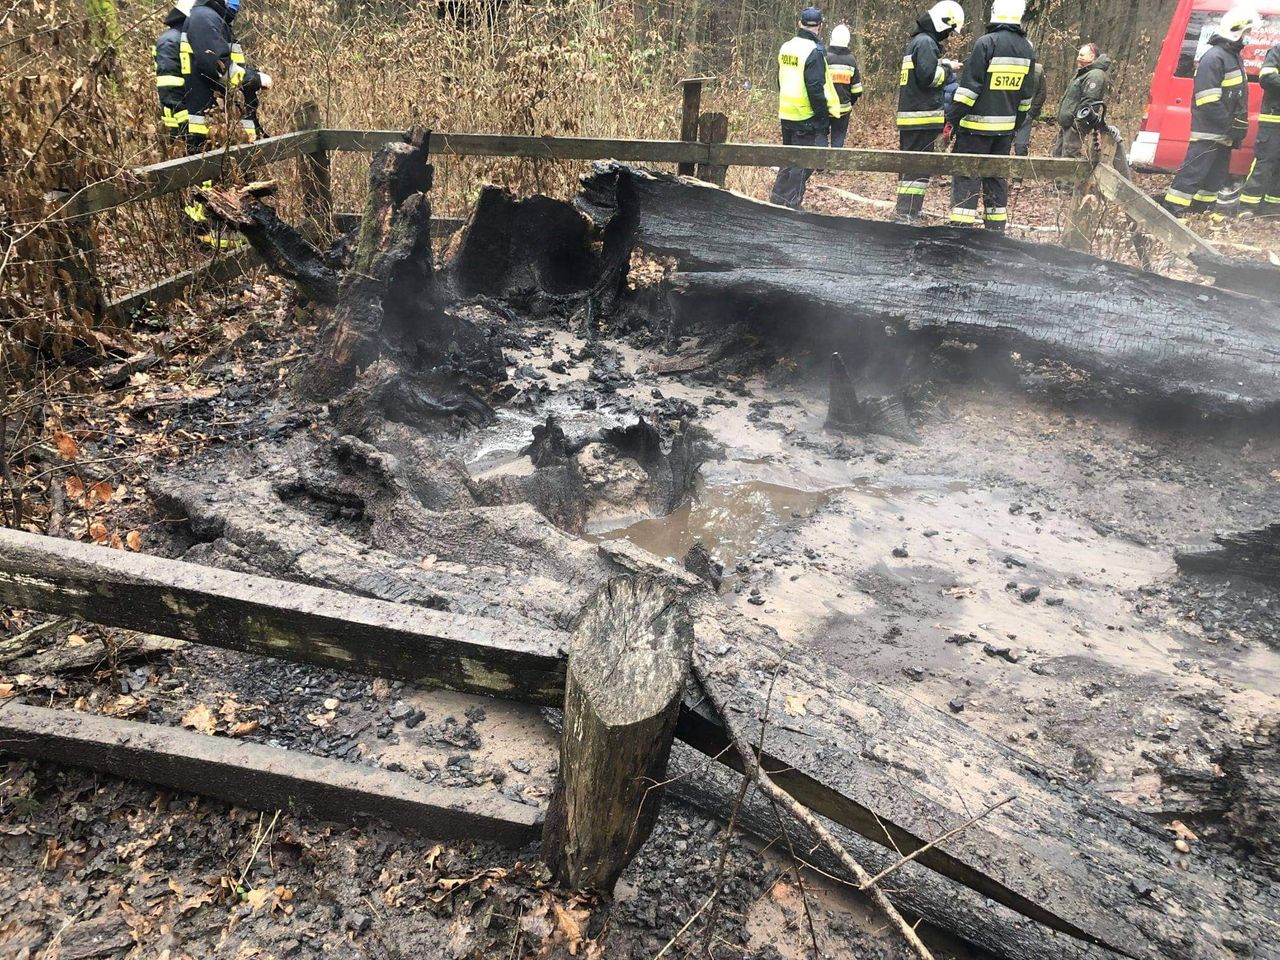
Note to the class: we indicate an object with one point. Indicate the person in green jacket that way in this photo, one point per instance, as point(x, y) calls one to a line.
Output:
point(1087, 90)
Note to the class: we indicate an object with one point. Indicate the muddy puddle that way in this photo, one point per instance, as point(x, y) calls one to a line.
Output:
point(732, 520)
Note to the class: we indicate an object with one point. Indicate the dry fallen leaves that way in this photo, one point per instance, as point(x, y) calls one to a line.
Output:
point(67, 447)
point(200, 718)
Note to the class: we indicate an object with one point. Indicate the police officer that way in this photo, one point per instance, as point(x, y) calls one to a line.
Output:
point(1086, 91)
point(1219, 122)
point(170, 82)
point(1263, 185)
point(991, 103)
point(922, 84)
point(847, 80)
point(807, 102)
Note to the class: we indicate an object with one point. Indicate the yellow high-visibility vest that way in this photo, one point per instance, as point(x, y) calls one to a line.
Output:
point(793, 98)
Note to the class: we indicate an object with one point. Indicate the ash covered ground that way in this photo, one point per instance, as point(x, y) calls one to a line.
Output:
point(1014, 568)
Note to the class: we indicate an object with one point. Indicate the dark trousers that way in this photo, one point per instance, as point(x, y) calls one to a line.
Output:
point(912, 187)
point(840, 129)
point(1263, 185)
point(1022, 140)
point(1203, 174)
point(788, 189)
point(994, 190)
point(1069, 144)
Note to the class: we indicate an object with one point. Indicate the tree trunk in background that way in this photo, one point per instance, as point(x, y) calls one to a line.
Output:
point(105, 20)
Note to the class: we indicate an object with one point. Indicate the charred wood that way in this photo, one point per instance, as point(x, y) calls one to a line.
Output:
point(1248, 553)
point(847, 412)
point(842, 277)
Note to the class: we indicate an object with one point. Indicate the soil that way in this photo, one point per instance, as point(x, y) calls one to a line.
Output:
point(1015, 567)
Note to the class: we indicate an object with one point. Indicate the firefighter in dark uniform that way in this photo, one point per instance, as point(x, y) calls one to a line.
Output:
point(1219, 122)
point(991, 103)
point(1263, 185)
point(807, 102)
point(215, 68)
point(847, 80)
point(922, 84)
point(170, 82)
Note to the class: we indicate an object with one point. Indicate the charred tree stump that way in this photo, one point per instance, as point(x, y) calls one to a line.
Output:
point(389, 289)
point(628, 662)
point(848, 413)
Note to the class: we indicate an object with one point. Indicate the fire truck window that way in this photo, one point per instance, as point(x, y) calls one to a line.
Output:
point(1196, 42)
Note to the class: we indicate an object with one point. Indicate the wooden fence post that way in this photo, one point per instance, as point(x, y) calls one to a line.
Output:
point(713, 128)
point(692, 88)
point(628, 661)
point(313, 171)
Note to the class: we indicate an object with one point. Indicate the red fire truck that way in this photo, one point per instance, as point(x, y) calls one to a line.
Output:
point(1161, 144)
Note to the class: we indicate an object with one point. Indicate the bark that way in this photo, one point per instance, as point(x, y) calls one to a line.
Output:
point(879, 284)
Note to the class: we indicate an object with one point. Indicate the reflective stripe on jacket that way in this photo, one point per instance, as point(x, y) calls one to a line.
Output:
point(845, 76)
point(997, 86)
point(805, 90)
point(1220, 105)
point(922, 82)
point(216, 59)
point(1269, 80)
point(167, 54)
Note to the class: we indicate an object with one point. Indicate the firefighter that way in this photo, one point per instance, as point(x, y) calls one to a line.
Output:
point(1022, 139)
point(847, 80)
point(922, 85)
point(214, 67)
point(1219, 122)
point(1087, 91)
point(170, 82)
point(991, 103)
point(807, 102)
point(1263, 185)
point(218, 67)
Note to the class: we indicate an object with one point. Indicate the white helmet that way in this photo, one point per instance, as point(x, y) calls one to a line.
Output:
point(1008, 11)
point(1237, 22)
point(184, 6)
point(947, 15)
point(840, 36)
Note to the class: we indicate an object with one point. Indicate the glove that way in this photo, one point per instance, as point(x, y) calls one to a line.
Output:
point(265, 79)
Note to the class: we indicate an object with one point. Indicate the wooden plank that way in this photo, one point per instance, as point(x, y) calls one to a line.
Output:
point(261, 777)
point(690, 107)
point(628, 663)
point(218, 269)
point(169, 176)
point(727, 154)
point(272, 618)
point(1153, 218)
point(896, 161)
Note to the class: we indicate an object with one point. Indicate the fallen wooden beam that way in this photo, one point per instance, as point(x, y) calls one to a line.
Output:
point(262, 778)
point(216, 270)
point(291, 621)
point(1136, 333)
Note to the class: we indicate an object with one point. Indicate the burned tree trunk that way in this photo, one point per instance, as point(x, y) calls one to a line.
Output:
point(1148, 335)
point(388, 292)
point(628, 662)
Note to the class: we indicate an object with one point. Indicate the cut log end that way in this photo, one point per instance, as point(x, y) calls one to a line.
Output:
point(636, 644)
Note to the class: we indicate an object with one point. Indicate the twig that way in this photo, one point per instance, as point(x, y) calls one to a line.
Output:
point(754, 772)
point(253, 855)
point(687, 924)
point(795, 868)
point(933, 843)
